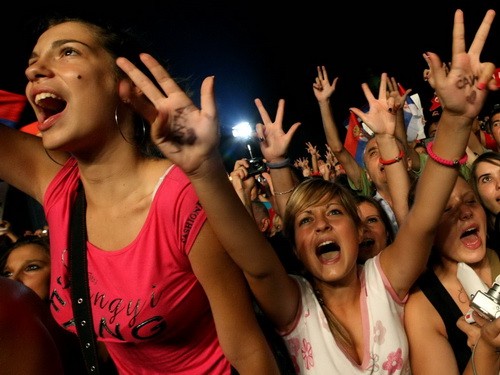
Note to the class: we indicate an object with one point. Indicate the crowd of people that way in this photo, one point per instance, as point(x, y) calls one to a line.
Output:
point(323, 264)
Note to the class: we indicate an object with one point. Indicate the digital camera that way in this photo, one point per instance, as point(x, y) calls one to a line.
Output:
point(257, 166)
point(487, 304)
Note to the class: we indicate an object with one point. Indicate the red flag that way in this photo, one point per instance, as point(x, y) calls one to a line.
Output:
point(353, 135)
point(11, 107)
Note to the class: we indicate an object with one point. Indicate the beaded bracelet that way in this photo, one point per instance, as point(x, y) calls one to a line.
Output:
point(446, 163)
point(392, 161)
point(279, 164)
point(284, 192)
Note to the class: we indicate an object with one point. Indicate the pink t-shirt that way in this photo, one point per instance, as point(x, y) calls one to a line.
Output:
point(147, 305)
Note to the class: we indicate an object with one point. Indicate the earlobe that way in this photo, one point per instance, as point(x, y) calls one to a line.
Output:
point(126, 89)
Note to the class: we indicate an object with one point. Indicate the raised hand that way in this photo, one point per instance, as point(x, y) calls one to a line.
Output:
point(185, 134)
point(428, 77)
point(393, 91)
point(329, 156)
point(322, 87)
point(462, 90)
point(381, 117)
point(275, 141)
point(312, 150)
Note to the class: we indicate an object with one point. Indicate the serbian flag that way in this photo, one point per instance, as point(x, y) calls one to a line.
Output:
point(413, 116)
point(11, 107)
point(355, 139)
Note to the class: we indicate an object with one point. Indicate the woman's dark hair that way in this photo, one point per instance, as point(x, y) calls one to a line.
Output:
point(383, 215)
point(493, 112)
point(119, 40)
point(491, 157)
point(42, 241)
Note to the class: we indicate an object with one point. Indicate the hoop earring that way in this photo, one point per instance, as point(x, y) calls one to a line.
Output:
point(116, 117)
point(141, 134)
point(119, 128)
point(139, 138)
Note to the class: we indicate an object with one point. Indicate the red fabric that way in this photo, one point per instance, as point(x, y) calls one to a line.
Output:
point(11, 107)
point(354, 134)
point(435, 103)
point(31, 128)
point(490, 142)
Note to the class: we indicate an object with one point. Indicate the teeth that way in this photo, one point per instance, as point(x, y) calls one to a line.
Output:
point(325, 243)
point(45, 95)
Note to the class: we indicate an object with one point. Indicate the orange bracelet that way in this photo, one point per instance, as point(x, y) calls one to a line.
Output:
point(392, 161)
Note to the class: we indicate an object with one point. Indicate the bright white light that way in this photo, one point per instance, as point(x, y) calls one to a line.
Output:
point(242, 130)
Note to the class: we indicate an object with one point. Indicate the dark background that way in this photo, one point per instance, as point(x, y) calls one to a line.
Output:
point(271, 50)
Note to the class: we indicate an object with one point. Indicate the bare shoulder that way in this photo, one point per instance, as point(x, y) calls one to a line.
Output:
point(421, 314)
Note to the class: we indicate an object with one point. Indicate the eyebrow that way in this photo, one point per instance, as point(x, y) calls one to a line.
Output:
point(61, 42)
point(483, 175)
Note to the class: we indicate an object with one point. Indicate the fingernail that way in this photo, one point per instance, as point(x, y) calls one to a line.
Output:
point(481, 85)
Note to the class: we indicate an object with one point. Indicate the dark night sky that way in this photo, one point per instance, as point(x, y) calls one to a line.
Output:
point(271, 49)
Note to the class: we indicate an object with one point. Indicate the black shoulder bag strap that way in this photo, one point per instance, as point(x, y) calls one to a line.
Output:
point(80, 292)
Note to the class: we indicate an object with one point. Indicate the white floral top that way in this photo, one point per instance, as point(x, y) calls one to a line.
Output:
point(314, 350)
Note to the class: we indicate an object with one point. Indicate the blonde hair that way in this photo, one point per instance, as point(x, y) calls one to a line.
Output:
point(310, 192)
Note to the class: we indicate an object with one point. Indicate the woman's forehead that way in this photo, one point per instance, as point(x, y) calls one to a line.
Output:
point(70, 31)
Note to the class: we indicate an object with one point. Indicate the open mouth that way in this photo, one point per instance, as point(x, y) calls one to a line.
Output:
point(367, 244)
point(49, 104)
point(469, 232)
point(470, 238)
point(328, 250)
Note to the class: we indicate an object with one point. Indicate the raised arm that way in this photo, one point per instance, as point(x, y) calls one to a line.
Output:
point(274, 148)
point(382, 120)
point(25, 163)
point(323, 91)
point(243, 183)
point(463, 92)
point(313, 151)
point(400, 133)
point(190, 138)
